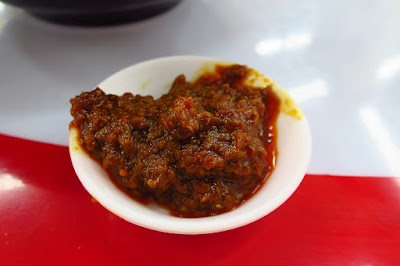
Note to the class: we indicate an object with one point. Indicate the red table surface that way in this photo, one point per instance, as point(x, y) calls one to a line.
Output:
point(50, 220)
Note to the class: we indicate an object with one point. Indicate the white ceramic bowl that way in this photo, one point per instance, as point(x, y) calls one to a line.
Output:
point(154, 77)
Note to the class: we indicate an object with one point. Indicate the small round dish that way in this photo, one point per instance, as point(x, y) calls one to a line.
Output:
point(154, 77)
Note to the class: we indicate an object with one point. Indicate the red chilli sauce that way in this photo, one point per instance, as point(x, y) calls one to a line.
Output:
point(202, 149)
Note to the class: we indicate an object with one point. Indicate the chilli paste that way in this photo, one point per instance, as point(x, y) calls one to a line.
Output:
point(202, 149)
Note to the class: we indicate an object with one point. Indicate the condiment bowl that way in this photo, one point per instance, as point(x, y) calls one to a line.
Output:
point(154, 77)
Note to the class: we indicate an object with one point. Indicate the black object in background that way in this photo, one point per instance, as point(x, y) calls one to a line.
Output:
point(93, 12)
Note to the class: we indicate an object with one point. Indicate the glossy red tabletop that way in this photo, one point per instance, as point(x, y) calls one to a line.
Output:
point(47, 218)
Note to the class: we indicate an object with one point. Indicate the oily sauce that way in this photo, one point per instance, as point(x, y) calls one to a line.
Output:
point(201, 149)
